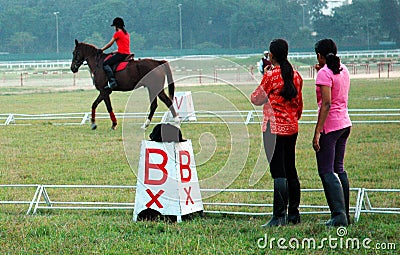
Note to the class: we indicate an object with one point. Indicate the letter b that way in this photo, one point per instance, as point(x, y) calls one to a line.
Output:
point(185, 166)
point(154, 166)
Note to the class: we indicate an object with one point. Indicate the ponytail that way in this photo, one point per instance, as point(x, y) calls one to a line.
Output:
point(328, 49)
point(333, 63)
point(280, 49)
point(123, 29)
point(289, 91)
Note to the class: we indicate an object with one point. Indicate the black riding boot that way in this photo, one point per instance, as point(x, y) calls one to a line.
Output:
point(335, 198)
point(112, 82)
point(346, 192)
point(280, 203)
point(294, 201)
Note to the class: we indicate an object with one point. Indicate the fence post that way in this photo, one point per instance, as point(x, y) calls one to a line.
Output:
point(379, 70)
point(10, 119)
point(200, 76)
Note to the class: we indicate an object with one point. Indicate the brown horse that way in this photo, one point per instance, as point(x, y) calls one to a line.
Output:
point(145, 72)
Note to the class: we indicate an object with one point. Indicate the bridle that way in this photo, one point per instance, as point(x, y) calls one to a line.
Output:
point(78, 63)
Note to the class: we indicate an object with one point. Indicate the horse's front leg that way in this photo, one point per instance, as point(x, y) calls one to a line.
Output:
point(107, 101)
point(96, 102)
point(153, 108)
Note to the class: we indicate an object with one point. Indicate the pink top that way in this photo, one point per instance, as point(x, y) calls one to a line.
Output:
point(338, 117)
point(283, 114)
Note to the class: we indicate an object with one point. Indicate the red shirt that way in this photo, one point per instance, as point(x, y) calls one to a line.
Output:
point(283, 114)
point(123, 42)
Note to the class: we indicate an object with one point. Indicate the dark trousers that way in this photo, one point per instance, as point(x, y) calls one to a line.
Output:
point(330, 157)
point(280, 150)
point(115, 59)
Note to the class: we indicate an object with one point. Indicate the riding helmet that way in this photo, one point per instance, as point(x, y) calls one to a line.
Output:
point(118, 22)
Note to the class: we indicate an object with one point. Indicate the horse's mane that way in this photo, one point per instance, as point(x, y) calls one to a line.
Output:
point(88, 47)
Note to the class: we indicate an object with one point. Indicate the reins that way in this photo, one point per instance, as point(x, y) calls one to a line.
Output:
point(97, 59)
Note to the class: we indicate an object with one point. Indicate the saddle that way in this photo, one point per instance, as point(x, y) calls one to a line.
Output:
point(121, 65)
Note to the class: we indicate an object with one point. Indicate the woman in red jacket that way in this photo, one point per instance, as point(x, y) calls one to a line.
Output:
point(280, 94)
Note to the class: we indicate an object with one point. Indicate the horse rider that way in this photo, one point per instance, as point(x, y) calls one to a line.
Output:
point(122, 38)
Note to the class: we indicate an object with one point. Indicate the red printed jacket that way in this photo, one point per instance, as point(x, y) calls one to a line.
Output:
point(283, 114)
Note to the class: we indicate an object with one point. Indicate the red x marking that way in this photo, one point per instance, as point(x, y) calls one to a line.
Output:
point(188, 198)
point(154, 198)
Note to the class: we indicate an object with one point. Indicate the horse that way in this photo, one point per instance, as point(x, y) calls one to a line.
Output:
point(148, 73)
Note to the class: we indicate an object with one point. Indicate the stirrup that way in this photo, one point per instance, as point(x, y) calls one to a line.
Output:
point(111, 85)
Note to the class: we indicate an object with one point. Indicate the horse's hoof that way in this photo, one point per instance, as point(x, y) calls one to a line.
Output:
point(114, 126)
point(93, 126)
point(146, 124)
point(177, 121)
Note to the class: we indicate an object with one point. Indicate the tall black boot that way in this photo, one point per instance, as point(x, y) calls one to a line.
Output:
point(112, 82)
point(346, 192)
point(280, 203)
point(335, 198)
point(294, 201)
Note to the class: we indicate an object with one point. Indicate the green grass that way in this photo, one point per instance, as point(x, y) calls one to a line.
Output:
point(51, 154)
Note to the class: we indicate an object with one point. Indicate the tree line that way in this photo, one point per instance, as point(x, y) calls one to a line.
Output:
point(32, 26)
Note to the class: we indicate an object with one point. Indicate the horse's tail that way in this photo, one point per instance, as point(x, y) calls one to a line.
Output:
point(170, 80)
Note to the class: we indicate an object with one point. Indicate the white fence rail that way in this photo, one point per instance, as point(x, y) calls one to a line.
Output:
point(203, 117)
point(367, 206)
point(41, 200)
point(66, 63)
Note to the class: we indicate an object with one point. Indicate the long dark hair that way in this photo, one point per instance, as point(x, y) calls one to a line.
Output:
point(280, 49)
point(328, 49)
point(122, 28)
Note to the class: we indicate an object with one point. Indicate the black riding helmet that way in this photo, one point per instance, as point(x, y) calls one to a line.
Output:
point(118, 22)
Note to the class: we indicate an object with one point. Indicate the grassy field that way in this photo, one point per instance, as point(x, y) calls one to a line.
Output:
point(44, 153)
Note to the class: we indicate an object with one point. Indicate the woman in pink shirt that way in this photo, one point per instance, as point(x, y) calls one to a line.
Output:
point(280, 94)
point(122, 38)
point(332, 130)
